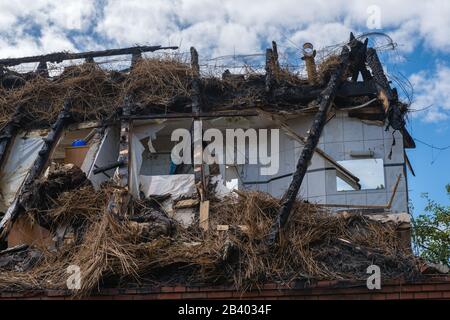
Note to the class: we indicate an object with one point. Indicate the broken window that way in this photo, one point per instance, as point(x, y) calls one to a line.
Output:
point(369, 171)
point(21, 157)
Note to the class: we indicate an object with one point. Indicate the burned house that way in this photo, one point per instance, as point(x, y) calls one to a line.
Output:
point(338, 138)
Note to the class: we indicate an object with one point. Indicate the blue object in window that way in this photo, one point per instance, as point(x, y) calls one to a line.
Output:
point(172, 168)
point(79, 143)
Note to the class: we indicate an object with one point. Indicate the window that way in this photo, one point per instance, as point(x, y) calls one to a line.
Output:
point(369, 171)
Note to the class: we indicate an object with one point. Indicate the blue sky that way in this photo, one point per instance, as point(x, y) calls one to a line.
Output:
point(221, 27)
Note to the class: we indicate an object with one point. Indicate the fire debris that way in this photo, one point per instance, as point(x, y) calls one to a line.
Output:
point(150, 247)
point(116, 239)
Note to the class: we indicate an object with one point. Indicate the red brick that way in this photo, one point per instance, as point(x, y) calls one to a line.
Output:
point(217, 288)
point(219, 295)
point(446, 294)
point(270, 286)
point(442, 286)
point(150, 296)
point(339, 291)
point(106, 298)
point(428, 287)
point(193, 295)
point(435, 295)
point(378, 296)
point(307, 297)
point(192, 289)
point(327, 297)
point(57, 293)
point(327, 284)
point(131, 291)
point(167, 289)
point(179, 289)
point(245, 295)
point(392, 296)
point(148, 290)
point(411, 288)
point(123, 297)
point(284, 286)
point(351, 297)
point(110, 292)
point(420, 295)
point(389, 289)
point(169, 296)
point(407, 296)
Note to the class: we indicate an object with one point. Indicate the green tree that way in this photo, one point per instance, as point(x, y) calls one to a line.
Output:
point(431, 231)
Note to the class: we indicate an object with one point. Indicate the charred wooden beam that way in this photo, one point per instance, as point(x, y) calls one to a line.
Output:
point(272, 68)
point(135, 58)
point(122, 174)
point(270, 77)
point(296, 94)
point(395, 110)
point(42, 69)
point(118, 164)
point(50, 142)
point(358, 89)
point(276, 62)
point(408, 140)
point(377, 72)
point(202, 115)
point(196, 83)
point(62, 56)
point(8, 133)
point(359, 56)
point(326, 99)
point(118, 204)
point(196, 129)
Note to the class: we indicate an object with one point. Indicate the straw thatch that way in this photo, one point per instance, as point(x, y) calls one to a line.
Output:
point(111, 249)
point(154, 84)
point(95, 93)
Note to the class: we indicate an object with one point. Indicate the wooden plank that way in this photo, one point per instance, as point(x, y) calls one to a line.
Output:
point(204, 215)
point(62, 56)
point(187, 203)
point(222, 227)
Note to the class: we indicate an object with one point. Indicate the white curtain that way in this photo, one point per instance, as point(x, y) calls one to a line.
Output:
point(22, 155)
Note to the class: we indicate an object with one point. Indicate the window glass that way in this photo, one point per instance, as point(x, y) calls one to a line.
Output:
point(369, 171)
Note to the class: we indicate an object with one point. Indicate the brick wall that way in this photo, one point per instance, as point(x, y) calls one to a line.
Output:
point(427, 288)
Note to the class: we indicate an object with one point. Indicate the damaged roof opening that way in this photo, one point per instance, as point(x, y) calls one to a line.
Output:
point(100, 188)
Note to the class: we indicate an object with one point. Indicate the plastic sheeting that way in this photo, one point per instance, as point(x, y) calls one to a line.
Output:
point(137, 148)
point(22, 155)
point(175, 185)
point(108, 153)
point(135, 165)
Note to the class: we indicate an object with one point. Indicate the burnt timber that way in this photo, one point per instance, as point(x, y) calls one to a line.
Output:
point(221, 97)
point(63, 56)
point(327, 97)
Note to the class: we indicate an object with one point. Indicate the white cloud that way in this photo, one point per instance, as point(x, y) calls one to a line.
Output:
point(432, 94)
point(36, 26)
point(222, 27)
point(323, 22)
